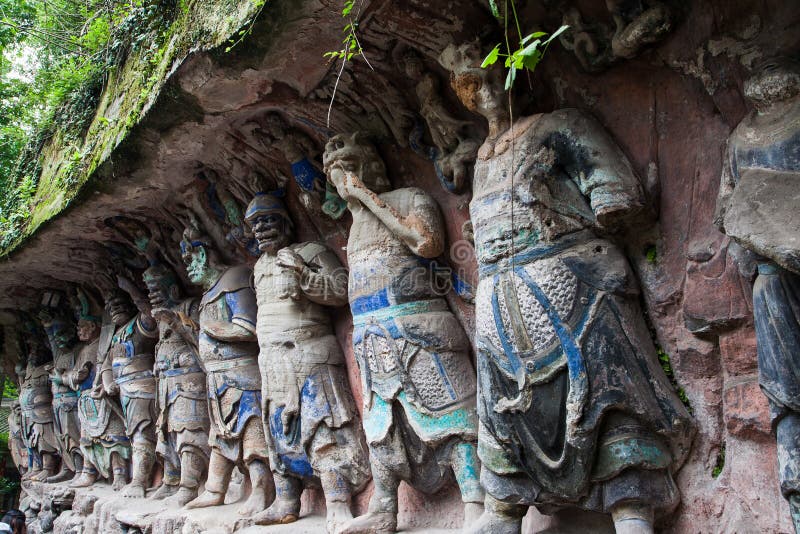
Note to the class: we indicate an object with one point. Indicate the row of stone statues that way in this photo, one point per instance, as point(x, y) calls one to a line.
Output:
point(568, 407)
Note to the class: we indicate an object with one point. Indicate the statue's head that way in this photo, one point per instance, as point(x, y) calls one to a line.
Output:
point(480, 90)
point(774, 80)
point(88, 324)
point(120, 307)
point(199, 256)
point(162, 285)
point(270, 221)
point(354, 153)
point(62, 331)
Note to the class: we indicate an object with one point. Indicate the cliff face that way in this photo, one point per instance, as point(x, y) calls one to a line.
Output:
point(194, 128)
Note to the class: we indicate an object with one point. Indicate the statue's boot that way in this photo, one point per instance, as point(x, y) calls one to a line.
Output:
point(466, 468)
point(632, 518)
point(119, 472)
point(49, 466)
point(381, 516)
point(498, 518)
point(286, 506)
point(263, 489)
point(193, 464)
point(64, 474)
point(88, 476)
point(219, 477)
point(141, 466)
point(170, 482)
point(77, 460)
point(337, 500)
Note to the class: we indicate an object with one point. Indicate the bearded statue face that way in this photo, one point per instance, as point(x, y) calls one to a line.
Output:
point(120, 308)
point(353, 153)
point(63, 333)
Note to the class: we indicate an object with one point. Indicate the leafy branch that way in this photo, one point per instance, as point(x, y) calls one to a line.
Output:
point(528, 54)
point(351, 46)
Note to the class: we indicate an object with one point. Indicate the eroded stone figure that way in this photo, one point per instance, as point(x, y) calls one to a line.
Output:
point(454, 151)
point(758, 206)
point(310, 416)
point(575, 409)
point(104, 443)
point(228, 350)
point(132, 354)
point(57, 321)
point(418, 382)
point(36, 403)
point(19, 453)
point(183, 424)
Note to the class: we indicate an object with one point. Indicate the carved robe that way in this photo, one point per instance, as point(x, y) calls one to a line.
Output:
point(418, 381)
point(302, 365)
point(132, 356)
point(65, 405)
point(36, 403)
point(758, 206)
point(182, 400)
point(19, 453)
point(232, 375)
point(574, 407)
point(102, 425)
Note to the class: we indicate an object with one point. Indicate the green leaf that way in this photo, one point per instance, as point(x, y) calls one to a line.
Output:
point(492, 57)
point(558, 32)
point(510, 77)
point(532, 61)
point(518, 60)
point(493, 7)
point(534, 35)
point(531, 48)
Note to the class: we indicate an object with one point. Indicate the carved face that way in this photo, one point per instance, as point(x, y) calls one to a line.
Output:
point(63, 333)
point(162, 287)
point(120, 309)
point(480, 90)
point(272, 232)
point(775, 81)
point(88, 330)
point(353, 153)
point(196, 261)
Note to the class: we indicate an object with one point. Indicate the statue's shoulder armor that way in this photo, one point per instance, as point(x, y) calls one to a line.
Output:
point(234, 279)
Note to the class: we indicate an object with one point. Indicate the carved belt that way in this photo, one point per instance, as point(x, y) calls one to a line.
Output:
point(399, 310)
point(65, 394)
point(134, 376)
point(536, 252)
point(180, 371)
point(225, 365)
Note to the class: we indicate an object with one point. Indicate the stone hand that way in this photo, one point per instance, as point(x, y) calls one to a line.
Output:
point(112, 390)
point(288, 259)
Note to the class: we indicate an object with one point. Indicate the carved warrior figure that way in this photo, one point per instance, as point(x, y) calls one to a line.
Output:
point(19, 453)
point(36, 403)
point(61, 333)
point(104, 443)
point(183, 423)
point(229, 353)
point(132, 359)
point(575, 409)
point(758, 207)
point(419, 385)
point(309, 411)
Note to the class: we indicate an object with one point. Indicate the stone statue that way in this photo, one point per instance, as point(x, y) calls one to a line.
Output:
point(310, 415)
point(228, 351)
point(36, 403)
point(758, 208)
point(575, 409)
point(454, 150)
point(60, 329)
point(104, 443)
point(183, 424)
point(132, 360)
point(418, 381)
point(19, 453)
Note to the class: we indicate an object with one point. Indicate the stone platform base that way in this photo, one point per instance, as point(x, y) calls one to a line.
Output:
point(100, 510)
